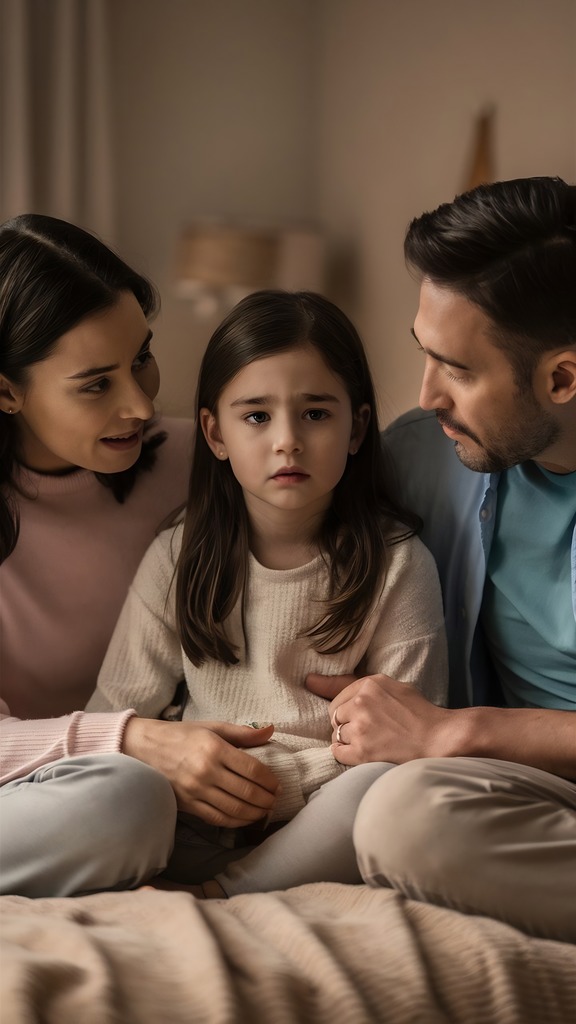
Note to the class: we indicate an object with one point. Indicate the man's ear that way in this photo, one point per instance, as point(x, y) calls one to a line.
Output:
point(561, 377)
point(359, 427)
point(11, 396)
point(211, 431)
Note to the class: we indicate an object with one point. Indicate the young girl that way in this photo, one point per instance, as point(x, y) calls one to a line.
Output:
point(293, 558)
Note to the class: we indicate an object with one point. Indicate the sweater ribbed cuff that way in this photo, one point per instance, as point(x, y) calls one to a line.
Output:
point(28, 744)
point(300, 773)
point(101, 733)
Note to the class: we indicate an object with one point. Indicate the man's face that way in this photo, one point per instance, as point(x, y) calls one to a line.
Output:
point(470, 384)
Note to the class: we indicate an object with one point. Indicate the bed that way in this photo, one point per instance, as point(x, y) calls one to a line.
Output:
point(319, 953)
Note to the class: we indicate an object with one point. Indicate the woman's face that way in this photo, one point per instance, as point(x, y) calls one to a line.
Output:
point(87, 403)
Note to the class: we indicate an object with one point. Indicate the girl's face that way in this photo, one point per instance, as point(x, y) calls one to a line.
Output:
point(86, 404)
point(285, 422)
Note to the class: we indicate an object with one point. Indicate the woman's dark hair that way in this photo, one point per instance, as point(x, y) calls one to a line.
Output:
point(52, 276)
point(362, 520)
point(510, 248)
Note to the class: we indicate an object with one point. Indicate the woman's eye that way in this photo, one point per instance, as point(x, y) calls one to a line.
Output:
point(142, 359)
point(317, 414)
point(257, 418)
point(98, 387)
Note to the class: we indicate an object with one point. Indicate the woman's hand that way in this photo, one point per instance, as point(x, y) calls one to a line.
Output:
point(211, 777)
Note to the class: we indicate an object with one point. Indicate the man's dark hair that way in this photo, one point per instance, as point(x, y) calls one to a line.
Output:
point(510, 248)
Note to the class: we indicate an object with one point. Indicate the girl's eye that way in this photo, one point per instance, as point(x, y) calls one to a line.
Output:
point(98, 387)
point(256, 418)
point(142, 359)
point(317, 414)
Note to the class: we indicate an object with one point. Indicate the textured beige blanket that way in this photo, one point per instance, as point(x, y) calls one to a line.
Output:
point(320, 953)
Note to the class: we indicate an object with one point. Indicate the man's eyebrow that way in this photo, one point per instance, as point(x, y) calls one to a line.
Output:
point(94, 371)
point(435, 355)
point(270, 399)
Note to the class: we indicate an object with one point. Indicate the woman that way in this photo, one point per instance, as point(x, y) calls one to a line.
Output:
point(84, 480)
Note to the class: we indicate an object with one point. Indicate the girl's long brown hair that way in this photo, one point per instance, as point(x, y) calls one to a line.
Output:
point(361, 522)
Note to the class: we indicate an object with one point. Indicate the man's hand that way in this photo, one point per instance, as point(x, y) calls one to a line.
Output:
point(380, 719)
point(210, 776)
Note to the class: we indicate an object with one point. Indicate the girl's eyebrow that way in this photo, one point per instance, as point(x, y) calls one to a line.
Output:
point(93, 371)
point(270, 399)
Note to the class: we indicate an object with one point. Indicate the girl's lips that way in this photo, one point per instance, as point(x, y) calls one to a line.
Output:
point(290, 476)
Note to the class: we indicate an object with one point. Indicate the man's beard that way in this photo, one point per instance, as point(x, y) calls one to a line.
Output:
point(517, 440)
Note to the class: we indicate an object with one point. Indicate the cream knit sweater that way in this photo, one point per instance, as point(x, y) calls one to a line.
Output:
point(403, 636)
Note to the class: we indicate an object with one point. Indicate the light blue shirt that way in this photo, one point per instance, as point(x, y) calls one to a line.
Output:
point(458, 508)
point(526, 610)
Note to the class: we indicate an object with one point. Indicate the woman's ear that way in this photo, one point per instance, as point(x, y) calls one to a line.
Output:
point(11, 396)
point(211, 432)
point(360, 422)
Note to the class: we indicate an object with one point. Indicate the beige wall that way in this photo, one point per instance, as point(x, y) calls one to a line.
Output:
point(214, 117)
point(358, 113)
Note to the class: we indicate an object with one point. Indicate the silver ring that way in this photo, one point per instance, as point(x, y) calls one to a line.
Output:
point(339, 733)
point(335, 722)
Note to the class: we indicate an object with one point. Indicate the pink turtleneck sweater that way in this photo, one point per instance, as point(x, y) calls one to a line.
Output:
point(27, 745)
point(61, 591)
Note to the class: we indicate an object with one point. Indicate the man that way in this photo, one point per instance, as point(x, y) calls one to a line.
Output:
point(480, 813)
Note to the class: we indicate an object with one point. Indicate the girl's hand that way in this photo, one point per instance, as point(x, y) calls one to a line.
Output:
point(210, 776)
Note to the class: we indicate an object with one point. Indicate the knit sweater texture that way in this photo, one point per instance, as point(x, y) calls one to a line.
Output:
point(61, 591)
point(403, 636)
point(28, 745)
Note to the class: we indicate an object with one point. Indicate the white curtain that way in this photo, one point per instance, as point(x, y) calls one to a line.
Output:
point(55, 123)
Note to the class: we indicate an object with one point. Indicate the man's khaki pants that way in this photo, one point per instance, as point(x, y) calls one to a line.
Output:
point(479, 835)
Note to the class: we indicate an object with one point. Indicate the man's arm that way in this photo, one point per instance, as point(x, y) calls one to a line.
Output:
point(384, 720)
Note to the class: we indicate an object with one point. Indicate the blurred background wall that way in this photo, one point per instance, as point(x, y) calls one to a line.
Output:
point(352, 115)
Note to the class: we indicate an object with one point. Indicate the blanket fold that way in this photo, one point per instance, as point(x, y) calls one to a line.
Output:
point(320, 953)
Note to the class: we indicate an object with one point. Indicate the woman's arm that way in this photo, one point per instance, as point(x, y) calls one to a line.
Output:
point(29, 744)
point(211, 776)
